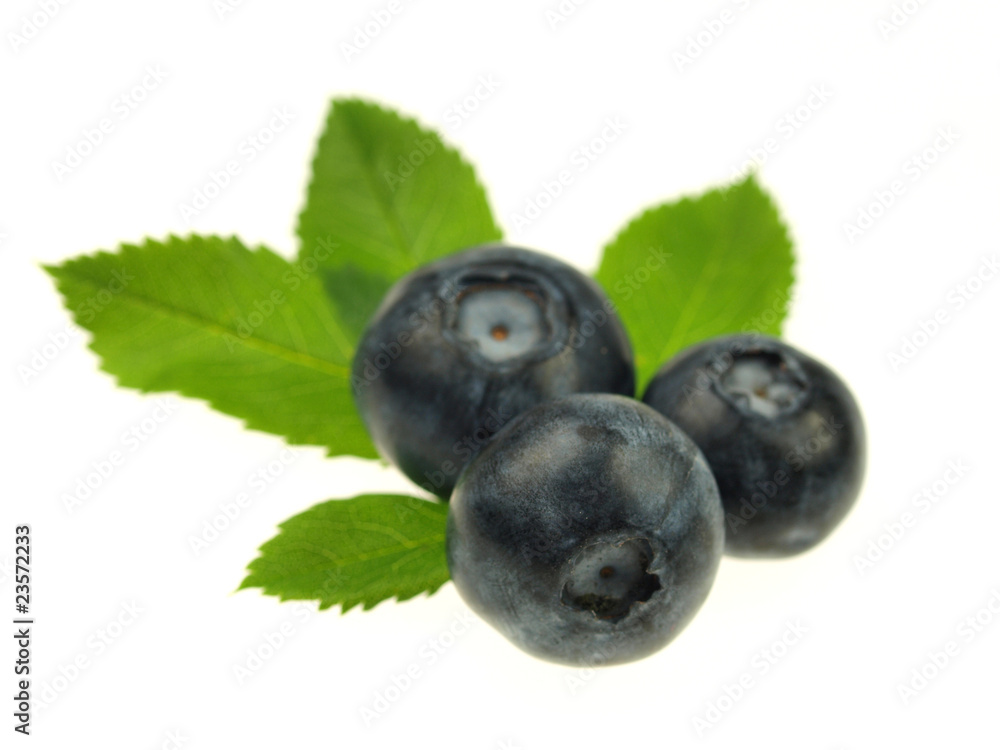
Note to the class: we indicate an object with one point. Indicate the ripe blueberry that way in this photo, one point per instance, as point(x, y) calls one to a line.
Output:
point(782, 434)
point(461, 346)
point(588, 532)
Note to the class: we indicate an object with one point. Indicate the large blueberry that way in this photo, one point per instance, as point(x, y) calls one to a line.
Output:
point(588, 532)
point(781, 431)
point(461, 346)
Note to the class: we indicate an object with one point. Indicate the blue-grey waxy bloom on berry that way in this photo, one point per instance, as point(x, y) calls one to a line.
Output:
point(461, 346)
point(588, 532)
point(783, 434)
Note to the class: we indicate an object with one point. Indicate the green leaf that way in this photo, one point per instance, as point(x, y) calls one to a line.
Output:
point(386, 196)
point(358, 551)
point(356, 294)
point(684, 272)
point(208, 318)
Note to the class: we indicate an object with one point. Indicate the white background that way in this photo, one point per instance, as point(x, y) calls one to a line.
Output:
point(688, 127)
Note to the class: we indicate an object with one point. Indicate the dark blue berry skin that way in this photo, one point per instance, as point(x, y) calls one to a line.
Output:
point(461, 346)
point(782, 433)
point(588, 532)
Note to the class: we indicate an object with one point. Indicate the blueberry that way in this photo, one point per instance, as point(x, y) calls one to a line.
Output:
point(588, 532)
point(781, 431)
point(460, 347)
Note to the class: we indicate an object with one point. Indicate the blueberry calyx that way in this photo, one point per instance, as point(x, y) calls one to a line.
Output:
point(499, 320)
point(607, 578)
point(763, 383)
